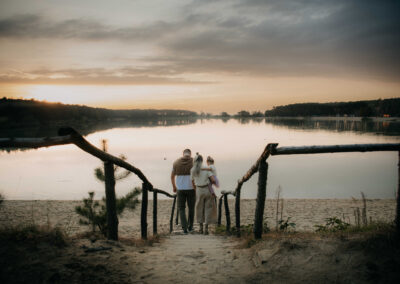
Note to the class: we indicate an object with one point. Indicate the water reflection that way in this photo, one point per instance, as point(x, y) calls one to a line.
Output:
point(91, 126)
point(385, 127)
point(66, 172)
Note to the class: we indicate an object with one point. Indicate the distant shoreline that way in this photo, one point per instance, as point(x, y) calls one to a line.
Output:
point(352, 118)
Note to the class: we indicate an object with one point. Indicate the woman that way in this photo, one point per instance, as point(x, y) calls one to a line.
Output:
point(205, 202)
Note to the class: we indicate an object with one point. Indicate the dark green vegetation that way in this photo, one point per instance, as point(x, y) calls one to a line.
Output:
point(374, 108)
point(94, 212)
point(31, 115)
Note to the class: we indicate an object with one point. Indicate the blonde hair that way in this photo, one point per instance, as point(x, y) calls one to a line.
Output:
point(197, 163)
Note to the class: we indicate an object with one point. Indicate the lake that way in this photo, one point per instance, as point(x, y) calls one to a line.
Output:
point(67, 173)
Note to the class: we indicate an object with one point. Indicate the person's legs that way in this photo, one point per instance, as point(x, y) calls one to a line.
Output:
point(191, 199)
point(199, 205)
point(210, 211)
point(182, 206)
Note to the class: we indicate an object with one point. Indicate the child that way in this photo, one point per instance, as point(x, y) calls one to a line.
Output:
point(211, 167)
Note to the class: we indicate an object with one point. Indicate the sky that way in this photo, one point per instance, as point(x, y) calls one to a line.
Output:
point(199, 55)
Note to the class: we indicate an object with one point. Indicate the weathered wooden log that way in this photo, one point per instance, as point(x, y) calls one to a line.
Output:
point(265, 154)
point(334, 149)
point(227, 192)
point(154, 212)
point(35, 142)
point(220, 210)
point(143, 216)
point(112, 218)
point(260, 205)
point(162, 192)
point(227, 213)
point(398, 198)
point(171, 220)
point(237, 208)
point(82, 143)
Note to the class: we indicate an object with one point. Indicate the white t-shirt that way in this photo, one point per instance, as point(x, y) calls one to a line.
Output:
point(213, 170)
point(183, 182)
point(202, 178)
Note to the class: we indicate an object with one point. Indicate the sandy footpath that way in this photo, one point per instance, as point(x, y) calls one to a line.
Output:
point(304, 212)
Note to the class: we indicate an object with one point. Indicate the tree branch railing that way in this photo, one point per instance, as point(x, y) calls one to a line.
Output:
point(261, 166)
point(68, 135)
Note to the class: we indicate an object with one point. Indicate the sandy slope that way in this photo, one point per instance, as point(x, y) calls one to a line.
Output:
point(194, 258)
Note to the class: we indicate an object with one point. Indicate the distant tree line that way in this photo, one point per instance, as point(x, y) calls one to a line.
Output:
point(19, 111)
point(374, 108)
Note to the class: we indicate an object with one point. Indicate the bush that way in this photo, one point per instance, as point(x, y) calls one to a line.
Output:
point(284, 225)
point(94, 212)
point(332, 224)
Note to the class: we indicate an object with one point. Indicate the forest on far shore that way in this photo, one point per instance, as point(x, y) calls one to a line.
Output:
point(17, 112)
point(373, 108)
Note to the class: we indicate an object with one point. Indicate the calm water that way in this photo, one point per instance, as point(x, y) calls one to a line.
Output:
point(66, 172)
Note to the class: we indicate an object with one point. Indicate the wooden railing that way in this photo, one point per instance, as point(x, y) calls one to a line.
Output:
point(261, 166)
point(68, 135)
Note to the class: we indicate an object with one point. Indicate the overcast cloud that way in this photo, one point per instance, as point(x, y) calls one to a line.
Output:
point(246, 37)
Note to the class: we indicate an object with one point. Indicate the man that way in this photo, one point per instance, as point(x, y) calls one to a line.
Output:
point(182, 184)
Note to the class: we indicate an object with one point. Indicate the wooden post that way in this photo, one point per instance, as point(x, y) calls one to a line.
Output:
point(171, 220)
point(227, 214)
point(237, 209)
point(261, 193)
point(219, 211)
point(143, 217)
point(154, 212)
point(112, 218)
point(398, 198)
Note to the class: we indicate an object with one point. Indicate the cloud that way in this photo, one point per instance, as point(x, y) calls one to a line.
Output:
point(37, 26)
point(98, 76)
point(253, 37)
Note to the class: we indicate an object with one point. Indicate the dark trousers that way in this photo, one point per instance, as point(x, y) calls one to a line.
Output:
point(189, 197)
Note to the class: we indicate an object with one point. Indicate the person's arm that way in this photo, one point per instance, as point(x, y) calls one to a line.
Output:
point(212, 179)
point(206, 169)
point(173, 181)
point(194, 186)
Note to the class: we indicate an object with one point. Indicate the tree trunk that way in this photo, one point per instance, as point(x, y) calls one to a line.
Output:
point(143, 217)
point(227, 213)
point(261, 193)
point(112, 218)
point(154, 212)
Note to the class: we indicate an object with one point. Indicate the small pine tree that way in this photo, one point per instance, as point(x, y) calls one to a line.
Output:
point(94, 212)
point(1, 199)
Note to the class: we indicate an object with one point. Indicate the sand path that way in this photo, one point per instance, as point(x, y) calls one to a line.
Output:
point(193, 258)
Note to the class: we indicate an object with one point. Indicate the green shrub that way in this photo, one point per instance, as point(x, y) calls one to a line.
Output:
point(94, 212)
point(284, 225)
point(332, 224)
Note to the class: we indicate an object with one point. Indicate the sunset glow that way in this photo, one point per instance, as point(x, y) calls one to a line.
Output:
point(199, 55)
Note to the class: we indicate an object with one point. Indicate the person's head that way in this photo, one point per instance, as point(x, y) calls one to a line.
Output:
point(187, 152)
point(210, 161)
point(197, 163)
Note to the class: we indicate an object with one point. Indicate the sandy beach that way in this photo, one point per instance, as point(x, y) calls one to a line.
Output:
point(305, 213)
